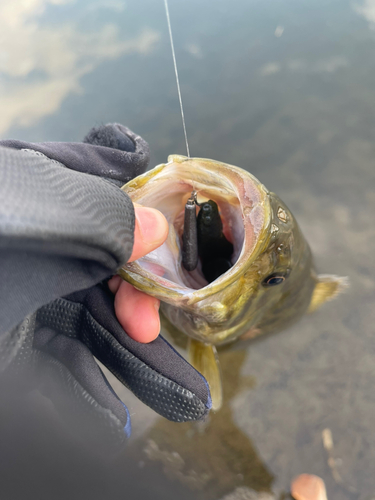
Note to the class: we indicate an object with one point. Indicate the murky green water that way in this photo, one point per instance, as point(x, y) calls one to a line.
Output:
point(285, 89)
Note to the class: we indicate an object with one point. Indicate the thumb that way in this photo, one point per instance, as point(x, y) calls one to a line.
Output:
point(151, 230)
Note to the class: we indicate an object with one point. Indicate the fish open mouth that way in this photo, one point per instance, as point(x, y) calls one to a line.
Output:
point(243, 206)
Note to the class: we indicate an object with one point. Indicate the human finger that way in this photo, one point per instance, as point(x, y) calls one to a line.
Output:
point(137, 313)
point(151, 230)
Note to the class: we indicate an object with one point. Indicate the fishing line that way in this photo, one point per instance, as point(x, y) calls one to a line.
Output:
point(176, 73)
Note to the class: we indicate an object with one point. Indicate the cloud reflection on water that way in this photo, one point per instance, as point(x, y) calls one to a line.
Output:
point(40, 65)
point(367, 10)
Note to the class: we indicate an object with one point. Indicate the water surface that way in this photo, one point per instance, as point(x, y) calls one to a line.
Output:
point(286, 90)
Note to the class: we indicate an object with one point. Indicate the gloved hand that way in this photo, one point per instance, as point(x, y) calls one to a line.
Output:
point(65, 226)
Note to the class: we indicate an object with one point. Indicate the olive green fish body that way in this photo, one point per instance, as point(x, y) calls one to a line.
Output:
point(270, 281)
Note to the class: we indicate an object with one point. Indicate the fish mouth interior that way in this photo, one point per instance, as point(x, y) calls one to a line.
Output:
point(169, 196)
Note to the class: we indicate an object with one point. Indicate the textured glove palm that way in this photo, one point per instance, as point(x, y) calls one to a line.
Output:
point(65, 227)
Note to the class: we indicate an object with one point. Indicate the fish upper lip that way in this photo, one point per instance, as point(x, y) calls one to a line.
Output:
point(253, 203)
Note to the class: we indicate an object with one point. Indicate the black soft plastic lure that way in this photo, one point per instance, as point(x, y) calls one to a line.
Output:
point(189, 236)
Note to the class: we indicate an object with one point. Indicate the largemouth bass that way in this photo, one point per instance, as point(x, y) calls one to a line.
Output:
point(271, 281)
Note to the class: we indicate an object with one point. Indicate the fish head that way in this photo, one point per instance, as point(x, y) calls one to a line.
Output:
point(271, 281)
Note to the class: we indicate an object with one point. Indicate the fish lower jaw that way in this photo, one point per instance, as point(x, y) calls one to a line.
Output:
point(197, 326)
point(224, 337)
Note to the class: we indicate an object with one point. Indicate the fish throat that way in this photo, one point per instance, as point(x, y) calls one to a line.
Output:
point(203, 238)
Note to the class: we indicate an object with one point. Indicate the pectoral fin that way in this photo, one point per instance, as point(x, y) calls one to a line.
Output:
point(326, 288)
point(204, 359)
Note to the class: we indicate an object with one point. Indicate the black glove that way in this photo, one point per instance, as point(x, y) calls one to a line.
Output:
point(65, 226)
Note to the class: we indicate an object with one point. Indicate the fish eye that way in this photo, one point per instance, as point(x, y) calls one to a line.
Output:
point(275, 279)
